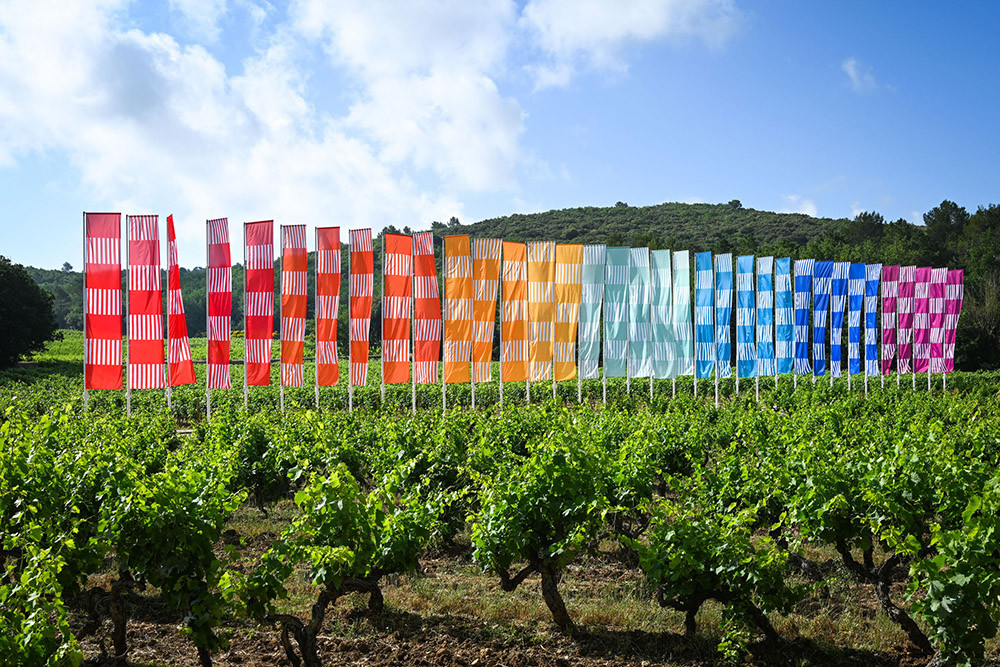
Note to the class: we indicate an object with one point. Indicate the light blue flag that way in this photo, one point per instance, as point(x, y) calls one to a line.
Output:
point(616, 312)
point(723, 314)
point(855, 300)
point(746, 351)
point(872, 274)
point(592, 296)
point(784, 327)
point(765, 316)
point(821, 304)
point(704, 322)
point(640, 331)
point(803, 290)
point(838, 299)
point(662, 315)
point(682, 313)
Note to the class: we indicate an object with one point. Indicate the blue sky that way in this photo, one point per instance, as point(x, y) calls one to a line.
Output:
point(363, 113)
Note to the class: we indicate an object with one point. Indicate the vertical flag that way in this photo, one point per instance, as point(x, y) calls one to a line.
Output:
point(765, 316)
point(458, 308)
point(569, 289)
point(361, 288)
point(682, 313)
point(294, 294)
point(784, 328)
point(514, 328)
point(746, 351)
point(937, 290)
point(541, 307)
point(258, 302)
point(838, 290)
point(821, 304)
point(890, 293)
point(592, 297)
point(904, 314)
point(220, 304)
point(724, 313)
point(179, 347)
point(327, 304)
point(872, 274)
point(662, 316)
point(922, 321)
point(640, 361)
point(485, 276)
point(616, 312)
point(704, 322)
point(103, 302)
point(803, 288)
point(953, 295)
point(145, 304)
point(426, 310)
point(855, 300)
point(396, 294)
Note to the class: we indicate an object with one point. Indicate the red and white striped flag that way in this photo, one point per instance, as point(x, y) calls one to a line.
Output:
point(258, 302)
point(396, 293)
point(178, 346)
point(953, 296)
point(103, 302)
point(362, 283)
point(327, 304)
point(427, 310)
point(220, 304)
point(294, 290)
point(145, 304)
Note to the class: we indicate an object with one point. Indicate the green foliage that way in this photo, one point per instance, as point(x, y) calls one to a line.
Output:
point(26, 312)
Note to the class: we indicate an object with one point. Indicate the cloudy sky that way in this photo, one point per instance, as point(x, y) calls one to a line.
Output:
point(367, 113)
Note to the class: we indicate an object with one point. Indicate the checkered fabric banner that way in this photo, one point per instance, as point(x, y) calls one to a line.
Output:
point(953, 296)
point(258, 302)
point(426, 310)
point(146, 368)
point(458, 308)
point(103, 302)
point(514, 313)
point(746, 351)
point(616, 281)
point(765, 317)
point(872, 274)
point(855, 301)
point(178, 344)
point(640, 334)
point(662, 316)
point(821, 305)
point(838, 302)
point(724, 314)
point(397, 290)
point(220, 304)
point(922, 320)
point(784, 321)
point(683, 334)
point(937, 290)
point(904, 319)
point(361, 289)
point(541, 308)
point(890, 294)
point(569, 287)
point(592, 298)
point(803, 290)
point(485, 279)
point(704, 320)
point(327, 305)
point(294, 295)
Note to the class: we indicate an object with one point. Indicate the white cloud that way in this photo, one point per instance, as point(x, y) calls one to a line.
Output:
point(201, 17)
point(859, 76)
point(798, 204)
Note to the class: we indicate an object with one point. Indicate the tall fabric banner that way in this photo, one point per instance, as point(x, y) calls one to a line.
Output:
point(592, 298)
point(784, 323)
point(953, 296)
point(904, 316)
point(662, 316)
point(803, 289)
point(541, 307)
point(485, 277)
point(426, 310)
point(890, 294)
point(855, 300)
point(514, 314)
point(294, 294)
point(258, 301)
point(361, 288)
point(872, 274)
point(937, 290)
point(220, 304)
point(616, 312)
point(746, 351)
point(922, 320)
point(765, 317)
point(103, 303)
point(145, 304)
point(327, 305)
point(458, 308)
point(838, 300)
point(724, 314)
point(821, 304)
point(640, 335)
point(704, 321)
point(569, 293)
point(179, 346)
point(396, 294)
point(683, 334)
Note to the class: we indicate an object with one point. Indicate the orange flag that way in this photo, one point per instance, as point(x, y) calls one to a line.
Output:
point(514, 323)
point(569, 289)
point(458, 308)
point(327, 304)
point(541, 307)
point(396, 270)
point(485, 276)
point(294, 273)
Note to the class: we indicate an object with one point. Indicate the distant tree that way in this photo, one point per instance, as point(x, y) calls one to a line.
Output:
point(27, 314)
point(437, 225)
point(454, 222)
point(67, 267)
point(944, 226)
point(621, 204)
point(735, 204)
point(615, 239)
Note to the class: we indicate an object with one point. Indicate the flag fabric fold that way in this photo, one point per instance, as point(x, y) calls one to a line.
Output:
point(746, 350)
point(662, 316)
point(220, 304)
point(953, 296)
point(145, 304)
point(103, 302)
point(426, 310)
point(568, 293)
point(936, 306)
point(922, 320)
point(803, 290)
point(890, 294)
point(179, 345)
point(765, 317)
point(821, 306)
point(838, 302)
point(361, 289)
point(458, 308)
point(514, 313)
point(397, 288)
point(723, 314)
point(784, 322)
point(294, 295)
point(640, 335)
point(904, 317)
point(541, 308)
point(591, 300)
point(704, 321)
point(683, 334)
point(855, 301)
point(327, 305)
point(485, 278)
point(616, 281)
point(872, 274)
point(258, 302)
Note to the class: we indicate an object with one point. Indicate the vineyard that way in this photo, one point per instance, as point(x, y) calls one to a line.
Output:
point(818, 526)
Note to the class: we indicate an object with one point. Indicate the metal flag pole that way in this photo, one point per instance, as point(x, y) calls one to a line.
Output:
point(316, 312)
point(208, 335)
point(413, 325)
point(281, 329)
point(913, 353)
point(929, 362)
point(246, 347)
point(86, 393)
point(382, 365)
point(128, 319)
point(527, 319)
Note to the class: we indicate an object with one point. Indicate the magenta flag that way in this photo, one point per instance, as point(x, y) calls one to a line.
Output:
point(922, 321)
point(904, 319)
point(890, 293)
point(954, 291)
point(936, 305)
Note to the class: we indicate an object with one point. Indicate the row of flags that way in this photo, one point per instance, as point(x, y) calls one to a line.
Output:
point(553, 300)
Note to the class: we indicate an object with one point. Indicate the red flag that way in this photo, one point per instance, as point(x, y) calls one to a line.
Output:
point(427, 309)
point(103, 303)
point(258, 301)
point(362, 283)
point(396, 268)
point(327, 304)
point(179, 347)
point(145, 304)
point(294, 286)
point(220, 304)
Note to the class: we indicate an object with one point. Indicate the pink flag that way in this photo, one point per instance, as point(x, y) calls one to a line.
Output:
point(890, 293)
point(953, 293)
point(938, 278)
point(922, 321)
point(904, 314)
